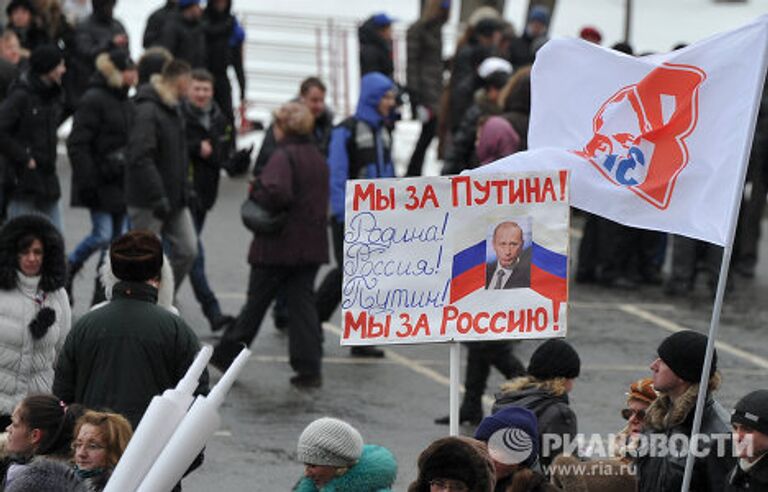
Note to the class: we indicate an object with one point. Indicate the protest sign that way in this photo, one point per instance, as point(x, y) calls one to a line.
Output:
point(456, 258)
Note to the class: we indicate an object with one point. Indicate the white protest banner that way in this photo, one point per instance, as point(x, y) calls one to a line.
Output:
point(456, 258)
point(662, 139)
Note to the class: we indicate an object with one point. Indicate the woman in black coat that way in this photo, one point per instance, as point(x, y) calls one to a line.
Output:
point(97, 150)
point(295, 180)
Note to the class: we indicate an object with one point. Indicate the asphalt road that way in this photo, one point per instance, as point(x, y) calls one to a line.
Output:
point(393, 401)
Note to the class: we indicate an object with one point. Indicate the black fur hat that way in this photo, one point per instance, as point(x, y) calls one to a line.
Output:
point(54, 270)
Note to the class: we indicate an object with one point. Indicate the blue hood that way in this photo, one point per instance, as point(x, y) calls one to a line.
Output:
point(373, 86)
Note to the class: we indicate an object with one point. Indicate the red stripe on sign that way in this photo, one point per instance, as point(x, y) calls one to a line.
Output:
point(548, 285)
point(468, 282)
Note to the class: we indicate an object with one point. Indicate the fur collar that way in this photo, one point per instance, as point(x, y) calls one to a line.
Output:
point(167, 94)
point(554, 386)
point(663, 414)
point(164, 293)
point(111, 73)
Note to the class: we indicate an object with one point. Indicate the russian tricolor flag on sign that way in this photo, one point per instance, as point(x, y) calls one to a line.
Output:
point(468, 272)
point(549, 274)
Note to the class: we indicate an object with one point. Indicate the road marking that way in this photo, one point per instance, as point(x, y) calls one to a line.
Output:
point(673, 327)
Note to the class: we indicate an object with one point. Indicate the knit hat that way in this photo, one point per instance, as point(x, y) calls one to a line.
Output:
point(136, 256)
point(752, 411)
point(486, 27)
point(518, 443)
point(554, 358)
point(382, 20)
point(539, 13)
point(121, 59)
point(45, 58)
point(684, 353)
point(642, 390)
point(187, 3)
point(330, 442)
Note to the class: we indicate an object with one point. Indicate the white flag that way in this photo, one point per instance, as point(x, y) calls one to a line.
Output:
point(662, 140)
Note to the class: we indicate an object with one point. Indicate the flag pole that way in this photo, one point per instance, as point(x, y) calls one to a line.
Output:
point(714, 325)
point(455, 375)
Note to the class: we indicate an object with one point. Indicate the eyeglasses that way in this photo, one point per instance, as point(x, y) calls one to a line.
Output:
point(449, 485)
point(627, 413)
point(89, 446)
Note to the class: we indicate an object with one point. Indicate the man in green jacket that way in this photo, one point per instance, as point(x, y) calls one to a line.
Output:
point(121, 355)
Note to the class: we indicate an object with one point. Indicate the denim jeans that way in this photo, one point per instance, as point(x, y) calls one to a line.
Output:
point(48, 208)
point(201, 288)
point(105, 227)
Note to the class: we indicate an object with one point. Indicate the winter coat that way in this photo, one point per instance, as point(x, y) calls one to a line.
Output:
point(453, 450)
point(213, 126)
point(321, 135)
point(464, 81)
point(425, 62)
point(155, 24)
point(157, 150)
point(29, 118)
point(123, 354)
point(93, 36)
point(375, 471)
point(756, 479)
point(497, 139)
point(375, 51)
point(666, 473)
point(185, 39)
point(361, 146)
point(26, 365)
point(98, 142)
point(224, 49)
point(8, 74)
point(460, 154)
point(301, 188)
point(549, 401)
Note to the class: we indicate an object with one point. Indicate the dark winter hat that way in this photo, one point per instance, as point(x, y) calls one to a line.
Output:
point(330, 442)
point(539, 13)
point(45, 58)
point(382, 20)
point(16, 4)
point(752, 411)
point(136, 256)
point(487, 26)
point(453, 459)
point(684, 353)
point(46, 474)
point(183, 4)
point(121, 59)
point(518, 443)
point(554, 358)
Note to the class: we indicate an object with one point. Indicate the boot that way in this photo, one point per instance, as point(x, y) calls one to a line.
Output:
point(368, 352)
point(470, 413)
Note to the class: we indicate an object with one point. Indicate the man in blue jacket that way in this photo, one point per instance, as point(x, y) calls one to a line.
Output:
point(360, 148)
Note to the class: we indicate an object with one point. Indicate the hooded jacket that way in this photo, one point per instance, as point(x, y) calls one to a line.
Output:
point(549, 401)
point(157, 150)
point(375, 471)
point(361, 146)
point(29, 118)
point(662, 473)
point(97, 144)
point(26, 365)
point(375, 51)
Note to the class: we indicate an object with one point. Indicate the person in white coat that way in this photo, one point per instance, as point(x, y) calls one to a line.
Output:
point(35, 316)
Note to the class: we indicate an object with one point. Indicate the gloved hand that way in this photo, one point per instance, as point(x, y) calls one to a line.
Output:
point(38, 327)
point(161, 209)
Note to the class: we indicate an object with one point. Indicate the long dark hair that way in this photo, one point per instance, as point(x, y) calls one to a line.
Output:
point(55, 420)
point(17, 234)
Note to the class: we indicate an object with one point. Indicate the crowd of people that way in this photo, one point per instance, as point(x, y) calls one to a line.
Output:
point(149, 143)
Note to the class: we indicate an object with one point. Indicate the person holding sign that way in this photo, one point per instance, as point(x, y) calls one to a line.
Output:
point(511, 269)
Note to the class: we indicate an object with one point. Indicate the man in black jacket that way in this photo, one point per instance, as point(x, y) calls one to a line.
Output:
point(157, 188)
point(97, 149)
point(29, 119)
point(124, 353)
point(375, 37)
point(209, 134)
point(184, 34)
point(676, 374)
point(156, 23)
point(224, 41)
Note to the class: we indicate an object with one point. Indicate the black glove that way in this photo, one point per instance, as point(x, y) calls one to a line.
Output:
point(38, 327)
point(161, 209)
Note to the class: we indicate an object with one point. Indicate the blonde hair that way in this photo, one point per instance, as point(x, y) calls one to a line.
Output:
point(114, 428)
point(294, 119)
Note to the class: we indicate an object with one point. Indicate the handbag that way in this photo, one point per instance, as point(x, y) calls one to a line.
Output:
point(261, 220)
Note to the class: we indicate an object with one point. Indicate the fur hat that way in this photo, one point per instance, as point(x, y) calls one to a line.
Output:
point(136, 256)
point(165, 292)
point(519, 443)
point(684, 353)
point(330, 442)
point(642, 390)
point(554, 358)
point(54, 271)
point(456, 458)
point(48, 475)
point(752, 411)
point(45, 58)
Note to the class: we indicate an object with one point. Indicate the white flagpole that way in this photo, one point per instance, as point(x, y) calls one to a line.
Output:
point(455, 376)
point(714, 325)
